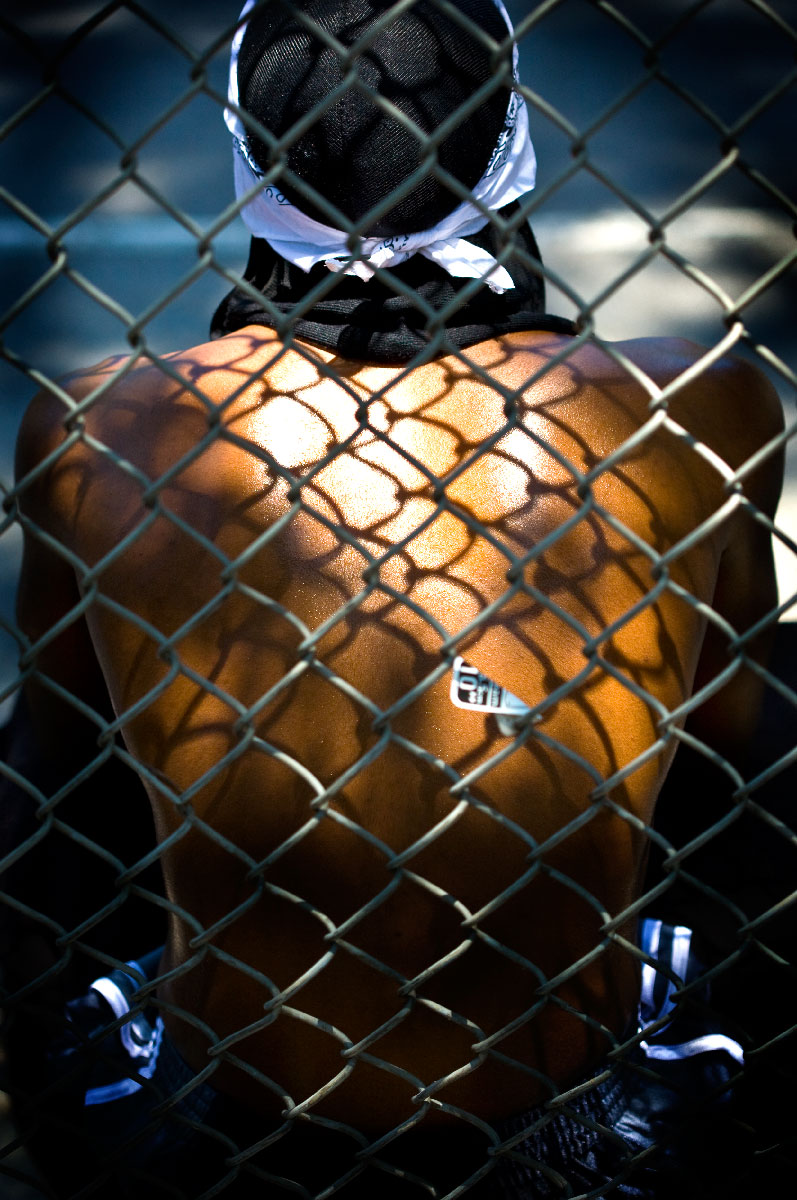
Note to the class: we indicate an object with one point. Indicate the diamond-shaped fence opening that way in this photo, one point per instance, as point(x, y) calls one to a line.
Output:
point(357, 681)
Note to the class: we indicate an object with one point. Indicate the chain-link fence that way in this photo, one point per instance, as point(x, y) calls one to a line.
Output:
point(405, 910)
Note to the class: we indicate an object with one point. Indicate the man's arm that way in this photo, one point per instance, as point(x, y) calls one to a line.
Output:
point(48, 594)
point(746, 588)
point(52, 739)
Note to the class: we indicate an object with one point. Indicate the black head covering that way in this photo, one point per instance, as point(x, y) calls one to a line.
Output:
point(356, 153)
point(427, 65)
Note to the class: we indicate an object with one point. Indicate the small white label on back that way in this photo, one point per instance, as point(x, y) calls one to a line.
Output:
point(472, 690)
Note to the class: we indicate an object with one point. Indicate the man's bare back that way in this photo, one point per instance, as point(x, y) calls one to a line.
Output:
point(282, 554)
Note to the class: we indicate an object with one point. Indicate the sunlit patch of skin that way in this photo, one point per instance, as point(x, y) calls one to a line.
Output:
point(521, 447)
point(400, 398)
point(379, 415)
point(491, 488)
point(295, 436)
point(438, 544)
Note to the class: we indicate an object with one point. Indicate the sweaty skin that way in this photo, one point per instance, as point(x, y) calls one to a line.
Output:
point(267, 623)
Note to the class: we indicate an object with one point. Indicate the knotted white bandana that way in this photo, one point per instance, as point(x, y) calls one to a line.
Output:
point(511, 173)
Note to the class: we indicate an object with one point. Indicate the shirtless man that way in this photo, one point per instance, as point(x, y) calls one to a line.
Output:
point(265, 554)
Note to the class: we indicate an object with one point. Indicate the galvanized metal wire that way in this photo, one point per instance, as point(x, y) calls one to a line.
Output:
point(756, 932)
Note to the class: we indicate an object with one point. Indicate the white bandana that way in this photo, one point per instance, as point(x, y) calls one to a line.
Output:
point(511, 173)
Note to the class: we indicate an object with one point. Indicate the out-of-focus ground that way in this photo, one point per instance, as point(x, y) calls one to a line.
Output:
point(115, 82)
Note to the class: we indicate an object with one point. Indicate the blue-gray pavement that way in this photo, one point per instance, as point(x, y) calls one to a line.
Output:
point(110, 88)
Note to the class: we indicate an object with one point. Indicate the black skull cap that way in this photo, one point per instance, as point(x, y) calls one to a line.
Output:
point(355, 154)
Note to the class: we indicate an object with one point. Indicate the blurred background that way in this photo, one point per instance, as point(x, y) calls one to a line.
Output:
point(664, 111)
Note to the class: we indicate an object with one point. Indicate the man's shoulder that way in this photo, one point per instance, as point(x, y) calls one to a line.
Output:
point(720, 398)
point(679, 365)
point(138, 382)
point(659, 359)
point(721, 408)
point(57, 410)
point(718, 395)
point(607, 392)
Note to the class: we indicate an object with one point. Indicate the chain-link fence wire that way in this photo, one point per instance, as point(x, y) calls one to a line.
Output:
point(85, 883)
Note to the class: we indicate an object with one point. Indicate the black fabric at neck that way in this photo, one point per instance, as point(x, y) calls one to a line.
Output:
point(370, 322)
